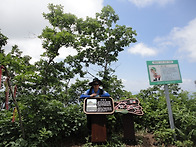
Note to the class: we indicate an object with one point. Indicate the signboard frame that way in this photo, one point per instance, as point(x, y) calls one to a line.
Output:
point(94, 107)
point(162, 72)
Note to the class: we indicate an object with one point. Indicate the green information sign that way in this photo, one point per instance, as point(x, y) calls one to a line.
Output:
point(164, 72)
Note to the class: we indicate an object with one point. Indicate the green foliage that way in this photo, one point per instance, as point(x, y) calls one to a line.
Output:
point(76, 90)
point(8, 130)
point(55, 120)
point(48, 99)
point(114, 87)
point(165, 136)
point(20, 70)
point(155, 118)
point(155, 109)
point(186, 143)
point(98, 41)
point(46, 122)
point(3, 42)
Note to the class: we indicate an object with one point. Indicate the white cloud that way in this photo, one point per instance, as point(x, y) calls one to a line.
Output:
point(135, 86)
point(82, 8)
point(64, 52)
point(22, 19)
point(184, 39)
point(188, 85)
point(145, 3)
point(24, 16)
point(142, 49)
point(35, 49)
point(29, 46)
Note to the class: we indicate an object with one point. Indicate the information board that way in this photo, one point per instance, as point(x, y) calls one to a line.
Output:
point(131, 105)
point(98, 105)
point(164, 72)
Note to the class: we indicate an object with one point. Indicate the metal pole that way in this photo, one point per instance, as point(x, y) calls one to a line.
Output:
point(171, 120)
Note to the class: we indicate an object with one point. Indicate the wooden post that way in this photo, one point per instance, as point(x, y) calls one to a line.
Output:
point(129, 132)
point(98, 131)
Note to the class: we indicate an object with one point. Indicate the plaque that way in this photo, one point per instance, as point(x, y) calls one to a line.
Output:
point(131, 105)
point(98, 105)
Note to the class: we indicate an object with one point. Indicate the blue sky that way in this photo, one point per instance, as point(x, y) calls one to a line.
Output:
point(166, 30)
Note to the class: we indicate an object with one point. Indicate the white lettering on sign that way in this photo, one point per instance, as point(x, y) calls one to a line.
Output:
point(99, 106)
point(104, 103)
point(104, 109)
point(161, 62)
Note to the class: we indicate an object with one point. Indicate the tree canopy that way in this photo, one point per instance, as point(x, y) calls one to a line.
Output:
point(98, 41)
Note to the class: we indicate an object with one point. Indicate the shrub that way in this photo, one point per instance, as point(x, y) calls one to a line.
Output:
point(46, 122)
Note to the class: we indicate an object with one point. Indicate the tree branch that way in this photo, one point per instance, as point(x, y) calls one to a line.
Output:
point(15, 102)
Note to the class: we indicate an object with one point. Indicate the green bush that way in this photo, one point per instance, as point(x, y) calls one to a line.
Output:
point(166, 136)
point(9, 132)
point(156, 119)
point(186, 143)
point(49, 122)
point(46, 122)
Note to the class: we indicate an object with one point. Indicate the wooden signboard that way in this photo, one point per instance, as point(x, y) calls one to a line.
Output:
point(128, 108)
point(98, 105)
point(98, 108)
point(131, 105)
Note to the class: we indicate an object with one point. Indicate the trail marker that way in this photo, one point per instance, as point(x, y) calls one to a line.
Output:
point(165, 72)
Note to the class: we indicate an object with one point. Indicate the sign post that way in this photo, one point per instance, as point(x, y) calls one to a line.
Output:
point(162, 73)
point(96, 109)
point(169, 107)
point(128, 108)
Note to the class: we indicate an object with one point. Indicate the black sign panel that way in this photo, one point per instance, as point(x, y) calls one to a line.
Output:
point(98, 105)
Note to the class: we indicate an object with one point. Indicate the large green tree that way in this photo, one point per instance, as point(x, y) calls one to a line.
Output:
point(98, 41)
point(46, 120)
point(106, 39)
point(45, 94)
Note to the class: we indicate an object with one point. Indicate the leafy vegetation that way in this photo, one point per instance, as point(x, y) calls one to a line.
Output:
point(52, 114)
point(156, 116)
